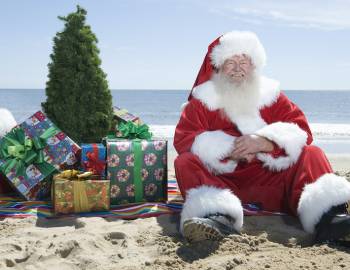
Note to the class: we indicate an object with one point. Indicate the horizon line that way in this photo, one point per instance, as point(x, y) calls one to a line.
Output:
point(159, 89)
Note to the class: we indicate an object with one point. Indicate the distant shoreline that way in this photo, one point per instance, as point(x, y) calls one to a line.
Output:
point(294, 90)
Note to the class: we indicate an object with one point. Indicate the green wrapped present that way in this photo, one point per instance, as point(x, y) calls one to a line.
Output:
point(33, 151)
point(75, 192)
point(137, 166)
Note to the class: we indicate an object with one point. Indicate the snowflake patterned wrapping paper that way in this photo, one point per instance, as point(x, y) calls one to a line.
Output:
point(57, 151)
point(137, 170)
point(93, 158)
point(72, 194)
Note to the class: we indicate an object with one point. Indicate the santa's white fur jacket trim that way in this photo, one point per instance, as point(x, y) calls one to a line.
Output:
point(236, 43)
point(319, 197)
point(206, 200)
point(7, 121)
point(288, 136)
point(213, 146)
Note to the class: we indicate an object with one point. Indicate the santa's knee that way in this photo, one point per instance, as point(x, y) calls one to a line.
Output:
point(185, 160)
point(185, 165)
point(314, 157)
point(312, 151)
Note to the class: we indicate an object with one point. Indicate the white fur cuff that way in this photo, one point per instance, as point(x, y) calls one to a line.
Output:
point(206, 200)
point(288, 136)
point(319, 197)
point(213, 146)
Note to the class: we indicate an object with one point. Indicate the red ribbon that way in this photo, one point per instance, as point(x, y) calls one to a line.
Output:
point(93, 164)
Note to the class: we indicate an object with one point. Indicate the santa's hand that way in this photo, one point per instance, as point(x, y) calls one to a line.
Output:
point(251, 144)
point(249, 158)
point(246, 158)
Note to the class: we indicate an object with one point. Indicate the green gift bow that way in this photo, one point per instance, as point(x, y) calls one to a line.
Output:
point(19, 151)
point(130, 130)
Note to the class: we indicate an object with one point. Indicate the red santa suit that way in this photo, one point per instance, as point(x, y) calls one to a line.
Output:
point(295, 177)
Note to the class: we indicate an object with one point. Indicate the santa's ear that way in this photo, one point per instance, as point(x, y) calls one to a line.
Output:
point(7, 121)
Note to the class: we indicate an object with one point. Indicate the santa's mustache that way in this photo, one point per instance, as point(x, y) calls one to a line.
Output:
point(238, 74)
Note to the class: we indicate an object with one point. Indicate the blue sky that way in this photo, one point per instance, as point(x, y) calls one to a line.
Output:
point(160, 44)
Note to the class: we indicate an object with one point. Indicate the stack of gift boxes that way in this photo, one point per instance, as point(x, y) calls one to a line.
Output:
point(129, 166)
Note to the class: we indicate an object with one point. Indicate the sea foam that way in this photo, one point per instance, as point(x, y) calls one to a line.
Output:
point(320, 131)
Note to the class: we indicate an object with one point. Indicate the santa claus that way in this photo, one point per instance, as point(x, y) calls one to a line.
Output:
point(241, 140)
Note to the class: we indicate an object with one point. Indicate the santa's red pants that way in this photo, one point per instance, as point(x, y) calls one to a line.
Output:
point(252, 183)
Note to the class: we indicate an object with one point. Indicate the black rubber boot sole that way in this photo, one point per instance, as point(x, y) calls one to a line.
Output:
point(334, 229)
point(200, 229)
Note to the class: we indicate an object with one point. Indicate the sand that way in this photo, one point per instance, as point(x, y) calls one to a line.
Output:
point(155, 243)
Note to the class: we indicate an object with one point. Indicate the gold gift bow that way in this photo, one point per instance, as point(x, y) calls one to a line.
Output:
point(80, 199)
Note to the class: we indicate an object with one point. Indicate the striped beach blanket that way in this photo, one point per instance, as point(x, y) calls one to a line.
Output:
point(16, 208)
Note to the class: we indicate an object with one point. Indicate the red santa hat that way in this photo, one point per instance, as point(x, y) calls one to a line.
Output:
point(226, 46)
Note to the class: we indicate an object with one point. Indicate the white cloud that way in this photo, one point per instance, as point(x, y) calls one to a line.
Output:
point(322, 14)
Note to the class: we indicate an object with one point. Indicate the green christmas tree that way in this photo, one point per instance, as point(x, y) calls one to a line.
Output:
point(78, 98)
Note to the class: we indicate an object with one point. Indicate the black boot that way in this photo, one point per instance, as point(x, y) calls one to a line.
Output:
point(334, 226)
point(212, 227)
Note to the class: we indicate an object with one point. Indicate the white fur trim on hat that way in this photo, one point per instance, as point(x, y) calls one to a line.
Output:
point(239, 42)
point(206, 200)
point(288, 136)
point(213, 146)
point(7, 121)
point(319, 197)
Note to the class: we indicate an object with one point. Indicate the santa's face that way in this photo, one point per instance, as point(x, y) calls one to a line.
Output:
point(237, 68)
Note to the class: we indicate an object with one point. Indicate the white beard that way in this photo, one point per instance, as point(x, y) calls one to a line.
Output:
point(240, 102)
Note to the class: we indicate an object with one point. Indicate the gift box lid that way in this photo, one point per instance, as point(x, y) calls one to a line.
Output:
point(125, 115)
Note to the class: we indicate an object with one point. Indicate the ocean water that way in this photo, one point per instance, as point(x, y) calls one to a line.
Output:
point(328, 112)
